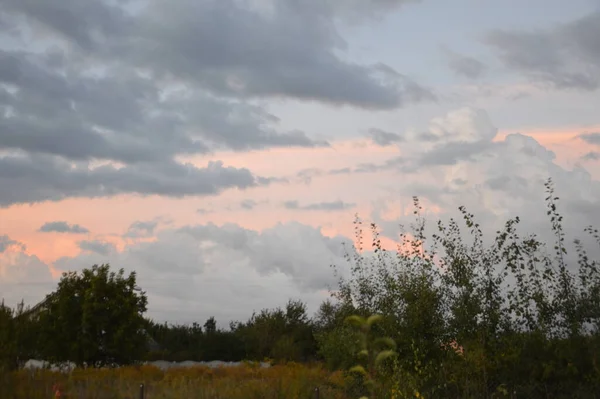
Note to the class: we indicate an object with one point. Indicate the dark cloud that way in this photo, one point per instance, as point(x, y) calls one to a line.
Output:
point(590, 138)
point(6, 242)
point(63, 227)
point(464, 65)
point(319, 206)
point(565, 56)
point(383, 138)
point(36, 178)
point(143, 84)
point(121, 116)
point(88, 24)
point(227, 48)
point(95, 246)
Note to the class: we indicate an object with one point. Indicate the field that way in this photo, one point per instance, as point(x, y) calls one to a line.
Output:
point(248, 381)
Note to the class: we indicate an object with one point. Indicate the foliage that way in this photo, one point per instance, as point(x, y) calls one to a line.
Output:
point(372, 353)
point(244, 382)
point(94, 318)
point(281, 334)
point(17, 336)
point(477, 320)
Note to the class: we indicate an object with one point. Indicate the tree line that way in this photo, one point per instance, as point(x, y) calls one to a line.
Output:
point(513, 317)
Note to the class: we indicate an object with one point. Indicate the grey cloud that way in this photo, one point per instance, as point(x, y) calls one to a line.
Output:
point(590, 138)
point(85, 23)
point(383, 138)
point(24, 278)
point(516, 186)
point(340, 171)
point(427, 137)
point(392, 163)
point(41, 178)
point(453, 152)
point(143, 86)
point(178, 269)
point(357, 12)
point(121, 116)
point(141, 228)
point(63, 227)
point(274, 249)
point(95, 246)
point(248, 204)
point(6, 242)
point(591, 156)
point(565, 56)
point(463, 65)
point(229, 49)
point(319, 206)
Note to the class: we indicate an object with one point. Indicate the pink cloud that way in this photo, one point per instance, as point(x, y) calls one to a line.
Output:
point(109, 218)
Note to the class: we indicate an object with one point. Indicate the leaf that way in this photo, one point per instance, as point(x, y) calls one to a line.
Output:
point(385, 342)
point(355, 320)
point(374, 319)
point(358, 370)
point(383, 355)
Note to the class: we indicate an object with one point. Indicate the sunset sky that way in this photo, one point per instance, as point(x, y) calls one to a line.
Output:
point(221, 148)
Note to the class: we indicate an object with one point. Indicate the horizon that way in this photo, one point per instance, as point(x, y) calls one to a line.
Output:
point(220, 149)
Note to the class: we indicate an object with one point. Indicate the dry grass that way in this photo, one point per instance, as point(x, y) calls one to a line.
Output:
point(291, 381)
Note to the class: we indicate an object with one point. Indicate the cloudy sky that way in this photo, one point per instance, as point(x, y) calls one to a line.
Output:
point(221, 148)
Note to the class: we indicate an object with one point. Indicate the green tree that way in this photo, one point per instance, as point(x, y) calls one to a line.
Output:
point(474, 318)
point(94, 318)
point(8, 355)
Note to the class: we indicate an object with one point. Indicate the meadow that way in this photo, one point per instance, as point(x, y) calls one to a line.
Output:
point(248, 381)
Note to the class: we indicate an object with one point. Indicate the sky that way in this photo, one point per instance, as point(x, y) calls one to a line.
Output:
point(221, 148)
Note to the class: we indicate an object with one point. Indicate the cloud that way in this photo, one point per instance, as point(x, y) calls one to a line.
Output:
point(566, 56)
point(494, 178)
point(383, 138)
point(96, 246)
point(229, 269)
point(120, 115)
point(463, 65)
point(6, 243)
point(141, 228)
point(591, 156)
point(248, 204)
point(590, 138)
point(460, 135)
point(23, 277)
point(227, 48)
point(136, 88)
point(36, 178)
point(319, 206)
point(63, 227)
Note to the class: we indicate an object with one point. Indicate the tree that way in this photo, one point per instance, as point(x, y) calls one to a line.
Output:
point(475, 317)
point(7, 338)
point(94, 318)
point(210, 326)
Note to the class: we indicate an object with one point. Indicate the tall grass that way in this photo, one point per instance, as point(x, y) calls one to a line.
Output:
point(248, 381)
